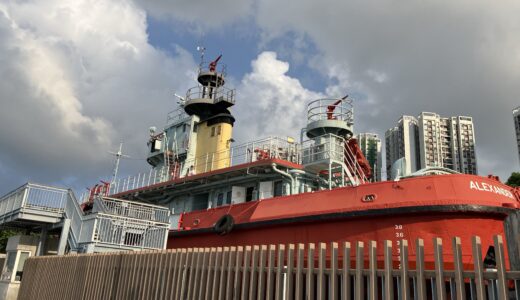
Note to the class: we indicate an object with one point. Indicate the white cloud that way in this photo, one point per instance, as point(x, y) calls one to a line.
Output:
point(270, 102)
point(78, 76)
point(448, 57)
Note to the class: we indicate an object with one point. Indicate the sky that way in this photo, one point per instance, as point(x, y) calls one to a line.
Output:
point(80, 76)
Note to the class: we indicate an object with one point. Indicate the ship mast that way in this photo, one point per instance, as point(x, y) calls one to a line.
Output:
point(118, 156)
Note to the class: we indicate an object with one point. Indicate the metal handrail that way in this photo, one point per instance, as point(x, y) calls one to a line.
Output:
point(216, 93)
point(176, 116)
point(271, 147)
point(204, 68)
point(329, 109)
point(140, 211)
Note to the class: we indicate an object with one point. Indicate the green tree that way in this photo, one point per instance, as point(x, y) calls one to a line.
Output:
point(514, 179)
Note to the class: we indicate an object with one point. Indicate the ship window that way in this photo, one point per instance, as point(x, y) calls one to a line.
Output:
point(218, 130)
point(200, 202)
point(184, 127)
point(278, 188)
point(249, 193)
point(212, 131)
point(228, 197)
point(220, 199)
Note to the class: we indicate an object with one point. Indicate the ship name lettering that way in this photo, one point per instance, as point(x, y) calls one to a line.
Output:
point(482, 186)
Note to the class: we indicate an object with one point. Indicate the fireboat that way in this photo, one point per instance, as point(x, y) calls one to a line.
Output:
point(277, 190)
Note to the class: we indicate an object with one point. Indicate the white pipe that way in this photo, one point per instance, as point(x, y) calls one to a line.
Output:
point(286, 175)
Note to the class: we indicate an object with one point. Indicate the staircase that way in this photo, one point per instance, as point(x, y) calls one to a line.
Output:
point(112, 224)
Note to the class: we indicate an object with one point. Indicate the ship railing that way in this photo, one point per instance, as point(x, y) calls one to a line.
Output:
point(330, 109)
point(176, 116)
point(267, 148)
point(33, 197)
point(128, 232)
point(144, 179)
point(390, 269)
point(204, 68)
point(217, 94)
point(129, 209)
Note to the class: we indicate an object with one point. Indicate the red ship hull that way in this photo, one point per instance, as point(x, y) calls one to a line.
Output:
point(422, 207)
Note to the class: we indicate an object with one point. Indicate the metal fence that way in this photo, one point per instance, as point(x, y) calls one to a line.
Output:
point(129, 209)
point(126, 232)
point(33, 197)
point(271, 272)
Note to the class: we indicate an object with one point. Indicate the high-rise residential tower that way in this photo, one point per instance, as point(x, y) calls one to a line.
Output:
point(516, 118)
point(447, 142)
point(439, 142)
point(370, 145)
point(401, 142)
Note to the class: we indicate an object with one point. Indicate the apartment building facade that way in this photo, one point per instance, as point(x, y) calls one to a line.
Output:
point(401, 144)
point(437, 142)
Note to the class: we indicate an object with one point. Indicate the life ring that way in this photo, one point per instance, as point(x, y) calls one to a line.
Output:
point(224, 225)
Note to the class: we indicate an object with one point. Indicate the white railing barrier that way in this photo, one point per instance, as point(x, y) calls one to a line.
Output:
point(271, 147)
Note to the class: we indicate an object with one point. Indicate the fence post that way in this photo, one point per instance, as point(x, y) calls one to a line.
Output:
point(245, 274)
point(359, 288)
point(270, 272)
point(477, 262)
point(193, 268)
point(179, 273)
point(222, 279)
point(290, 281)
point(345, 276)
point(279, 273)
point(322, 251)
point(253, 276)
point(333, 271)
point(238, 271)
point(405, 284)
point(230, 268)
point(310, 272)
point(459, 278)
point(373, 269)
point(216, 274)
point(419, 265)
point(261, 271)
point(439, 268)
point(501, 268)
point(389, 280)
point(299, 272)
point(211, 271)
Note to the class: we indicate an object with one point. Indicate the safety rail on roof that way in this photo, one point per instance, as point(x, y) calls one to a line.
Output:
point(267, 148)
point(176, 116)
point(216, 93)
point(34, 200)
point(135, 210)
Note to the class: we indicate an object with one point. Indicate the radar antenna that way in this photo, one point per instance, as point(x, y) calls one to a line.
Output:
point(118, 156)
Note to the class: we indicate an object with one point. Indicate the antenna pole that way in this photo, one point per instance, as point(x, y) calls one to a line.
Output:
point(118, 156)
